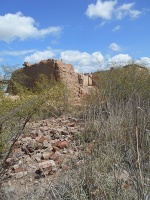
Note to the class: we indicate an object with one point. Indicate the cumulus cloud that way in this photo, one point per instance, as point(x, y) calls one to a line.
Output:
point(144, 61)
point(82, 61)
point(114, 47)
point(120, 59)
point(40, 55)
point(101, 9)
point(107, 9)
point(17, 25)
point(116, 28)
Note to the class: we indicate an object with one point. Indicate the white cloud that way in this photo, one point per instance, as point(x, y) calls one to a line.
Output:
point(40, 55)
point(82, 61)
point(13, 26)
point(107, 9)
point(116, 28)
point(144, 61)
point(134, 14)
point(17, 53)
point(114, 47)
point(101, 9)
point(126, 10)
point(120, 59)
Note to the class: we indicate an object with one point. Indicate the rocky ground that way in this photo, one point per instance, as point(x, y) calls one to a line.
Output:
point(41, 155)
point(46, 156)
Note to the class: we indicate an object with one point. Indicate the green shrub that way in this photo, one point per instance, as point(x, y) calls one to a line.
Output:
point(18, 78)
point(45, 100)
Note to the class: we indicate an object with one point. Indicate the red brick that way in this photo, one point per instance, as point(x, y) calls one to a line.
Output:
point(55, 149)
point(54, 156)
point(42, 139)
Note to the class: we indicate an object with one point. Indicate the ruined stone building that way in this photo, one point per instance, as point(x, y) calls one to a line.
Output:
point(79, 84)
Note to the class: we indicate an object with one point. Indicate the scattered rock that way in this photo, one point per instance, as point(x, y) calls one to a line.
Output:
point(22, 182)
point(46, 155)
point(21, 174)
point(47, 144)
point(42, 138)
point(37, 157)
point(54, 156)
point(46, 167)
point(55, 149)
point(63, 144)
point(9, 161)
point(45, 149)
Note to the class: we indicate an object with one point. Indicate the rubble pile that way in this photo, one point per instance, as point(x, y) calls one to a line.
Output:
point(44, 148)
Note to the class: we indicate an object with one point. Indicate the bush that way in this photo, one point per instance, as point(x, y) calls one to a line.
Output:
point(18, 78)
point(47, 99)
point(123, 83)
point(117, 136)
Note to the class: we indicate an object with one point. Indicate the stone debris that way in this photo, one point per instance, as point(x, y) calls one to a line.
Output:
point(45, 149)
point(21, 174)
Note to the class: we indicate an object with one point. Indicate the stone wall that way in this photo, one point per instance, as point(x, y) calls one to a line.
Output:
point(77, 83)
point(43, 67)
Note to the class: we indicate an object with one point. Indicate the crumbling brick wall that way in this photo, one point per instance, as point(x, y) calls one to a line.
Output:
point(43, 67)
point(76, 83)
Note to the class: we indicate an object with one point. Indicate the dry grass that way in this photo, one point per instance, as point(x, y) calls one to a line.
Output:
point(113, 162)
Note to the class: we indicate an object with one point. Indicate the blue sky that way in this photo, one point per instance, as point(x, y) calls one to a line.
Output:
point(89, 34)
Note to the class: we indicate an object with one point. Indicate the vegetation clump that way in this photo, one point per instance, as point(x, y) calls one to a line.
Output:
point(44, 100)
